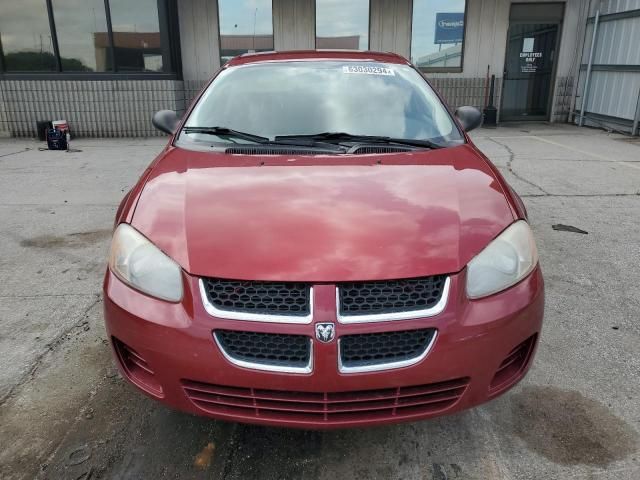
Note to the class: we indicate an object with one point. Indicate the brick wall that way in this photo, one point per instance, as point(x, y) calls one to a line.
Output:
point(562, 99)
point(191, 89)
point(465, 91)
point(105, 108)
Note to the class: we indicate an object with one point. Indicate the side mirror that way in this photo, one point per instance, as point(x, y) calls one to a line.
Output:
point(470, 118)
point(166, 121)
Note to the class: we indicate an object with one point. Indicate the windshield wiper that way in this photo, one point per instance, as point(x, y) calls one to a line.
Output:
point(227, 132)
point(348, 137)
point(285, 141)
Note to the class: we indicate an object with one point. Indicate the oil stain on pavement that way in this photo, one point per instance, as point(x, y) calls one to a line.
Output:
point(203, 459)
point(72, 240)
point(568, 428)
point(262, 452)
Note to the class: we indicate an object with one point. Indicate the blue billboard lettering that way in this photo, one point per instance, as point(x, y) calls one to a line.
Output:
point(449, 28)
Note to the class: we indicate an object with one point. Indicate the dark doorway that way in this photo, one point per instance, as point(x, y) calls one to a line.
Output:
point(532, 50)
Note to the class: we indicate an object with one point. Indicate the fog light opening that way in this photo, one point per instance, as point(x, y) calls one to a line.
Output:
point(136, 368)
point(513, 366)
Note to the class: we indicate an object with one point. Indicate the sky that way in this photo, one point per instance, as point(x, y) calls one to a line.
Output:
point(237, 17)
point(25, 22)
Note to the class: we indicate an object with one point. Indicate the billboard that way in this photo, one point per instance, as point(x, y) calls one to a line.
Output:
point(449, 28)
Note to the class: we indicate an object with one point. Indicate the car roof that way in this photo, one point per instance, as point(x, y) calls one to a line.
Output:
point(310, 55)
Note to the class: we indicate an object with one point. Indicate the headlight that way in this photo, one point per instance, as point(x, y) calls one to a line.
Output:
point(504, 262)
point(139, 263)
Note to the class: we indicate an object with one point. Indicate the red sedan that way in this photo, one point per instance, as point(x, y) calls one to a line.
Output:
point(321, 245)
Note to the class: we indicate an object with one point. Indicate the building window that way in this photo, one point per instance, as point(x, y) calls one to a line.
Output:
point(437, 34)
point(342, 25)
point(27, 43)
point(81, 26)
point(87, 36)
point(246, 26)
point(136, 35)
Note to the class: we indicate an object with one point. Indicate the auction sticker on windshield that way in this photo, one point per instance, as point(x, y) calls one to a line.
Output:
point(368, 70)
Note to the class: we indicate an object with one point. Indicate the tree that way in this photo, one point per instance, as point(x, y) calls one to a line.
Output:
point(26, 61)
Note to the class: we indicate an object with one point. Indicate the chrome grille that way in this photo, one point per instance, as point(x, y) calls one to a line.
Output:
point(266, 351)
point(385, 350)
point(391, 297)
point(259, 298)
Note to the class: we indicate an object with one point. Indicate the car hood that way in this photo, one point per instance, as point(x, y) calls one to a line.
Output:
point(322, 218)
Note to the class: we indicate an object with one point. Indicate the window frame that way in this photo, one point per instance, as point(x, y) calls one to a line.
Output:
point(315, 24)
point(441, 69)
point(169, 36)
point(273, 34)
point(1, 57)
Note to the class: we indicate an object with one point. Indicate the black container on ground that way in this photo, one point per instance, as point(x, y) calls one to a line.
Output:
point(42, 127)
point(491, 112)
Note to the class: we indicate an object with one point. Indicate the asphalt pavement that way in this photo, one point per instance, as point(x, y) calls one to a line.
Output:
point(66, 414)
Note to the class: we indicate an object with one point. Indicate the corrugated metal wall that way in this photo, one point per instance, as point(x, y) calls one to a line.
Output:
point(613, 96)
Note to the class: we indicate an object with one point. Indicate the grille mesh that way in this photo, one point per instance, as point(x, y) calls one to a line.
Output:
point(264, 298)
point(386, 347)
point(392, 296)
point(266, 348)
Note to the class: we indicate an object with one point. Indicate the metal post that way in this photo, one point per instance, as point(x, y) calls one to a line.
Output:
point(112, 48)
point(1, 57)
point(54, 37)
point(636, 120)
point(585, 93)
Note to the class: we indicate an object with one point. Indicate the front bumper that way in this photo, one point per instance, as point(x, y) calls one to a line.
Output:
point(176, 360)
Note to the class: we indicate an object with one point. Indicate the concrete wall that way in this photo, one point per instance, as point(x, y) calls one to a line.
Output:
point(390, 30)
point(294, 24)
point(118, 107)
point(199, 39)
point(390, 26)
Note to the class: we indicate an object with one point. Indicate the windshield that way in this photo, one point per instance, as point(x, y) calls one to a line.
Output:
point(306, 98)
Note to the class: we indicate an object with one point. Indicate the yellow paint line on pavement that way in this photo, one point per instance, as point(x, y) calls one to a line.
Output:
point(577, 150)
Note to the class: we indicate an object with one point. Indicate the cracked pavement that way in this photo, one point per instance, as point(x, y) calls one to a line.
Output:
point(65, 413)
